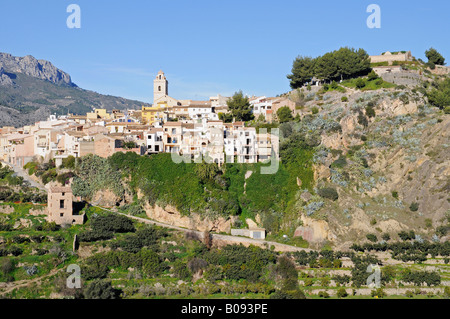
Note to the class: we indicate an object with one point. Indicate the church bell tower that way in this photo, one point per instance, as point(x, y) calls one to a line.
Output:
point(160, 86)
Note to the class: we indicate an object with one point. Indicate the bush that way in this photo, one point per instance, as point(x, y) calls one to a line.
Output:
point(372, 76)
point(404, 235)
point(49, 176)
point(341, 279)
point(314, 110)
point(378, 293)
point(5, 227)
point(288, 294)
point(341, 162)
point(20, 240)
point(341, 293)
point(68, 162)
point(181, 271)
point(95, 235)
point(324, 294)
point(373, 238)
point(328, 192)
point(360, 83)
point(101, 289)
point(7, 265)
point(414, 207)
point(344, 99)
point(64, 178)
point(284, 114)
point(113, 223)
point(362, 119)
point(15, 251)
point(370, 111)
point(431, 65)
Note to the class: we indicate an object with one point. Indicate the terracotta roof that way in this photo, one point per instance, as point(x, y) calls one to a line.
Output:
point(155, 129)
point(173, 124)
point(76, 133)
point(189, 126)
point(78, 117)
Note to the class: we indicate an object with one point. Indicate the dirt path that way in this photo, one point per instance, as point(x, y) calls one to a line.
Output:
point(22, 173)
point(23, 283)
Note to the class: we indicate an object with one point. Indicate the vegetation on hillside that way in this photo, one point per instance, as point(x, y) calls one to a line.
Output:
point(13, 188)
point(145, 261)
point(239, 109)
point(340, 64)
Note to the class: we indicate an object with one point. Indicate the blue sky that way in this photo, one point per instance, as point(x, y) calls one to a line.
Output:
point(209, 47)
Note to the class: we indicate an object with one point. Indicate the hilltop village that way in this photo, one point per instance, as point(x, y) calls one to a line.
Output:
point(186, 127)
point(361, 184)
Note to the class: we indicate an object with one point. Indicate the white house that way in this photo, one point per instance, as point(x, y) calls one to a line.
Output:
point(261, 105)
point(154, 140)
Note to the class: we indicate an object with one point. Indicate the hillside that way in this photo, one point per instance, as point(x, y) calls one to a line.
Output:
point(386, 154)
point(31, 90)
point(363, 180)
point(355, 162)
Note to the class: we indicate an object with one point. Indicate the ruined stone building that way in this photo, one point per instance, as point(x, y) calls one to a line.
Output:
point(60, 207)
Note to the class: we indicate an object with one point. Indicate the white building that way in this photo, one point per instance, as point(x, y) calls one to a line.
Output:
point(261, 105)
point(198, 111)
point(154, 140)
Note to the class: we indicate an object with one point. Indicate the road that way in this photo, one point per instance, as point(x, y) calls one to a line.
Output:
point(22, 173)
point(219, 237)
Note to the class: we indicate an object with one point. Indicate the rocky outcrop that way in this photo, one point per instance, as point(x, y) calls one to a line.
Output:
point(105, 198)
point(29, 65)
point(397, 107)
point(170, 215)
point(5, 78)
point(6, 209)
point(313, 230)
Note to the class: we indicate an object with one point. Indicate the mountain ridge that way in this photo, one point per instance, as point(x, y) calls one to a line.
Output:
point(31, 89)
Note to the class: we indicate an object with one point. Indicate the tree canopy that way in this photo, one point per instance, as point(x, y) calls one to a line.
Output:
point(336, 65)
point(284, 114)
point(239, 107)
point(434, 57)
point(440, 94)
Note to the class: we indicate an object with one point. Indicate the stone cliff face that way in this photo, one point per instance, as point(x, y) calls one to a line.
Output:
point(29, 65)
point(170, 215)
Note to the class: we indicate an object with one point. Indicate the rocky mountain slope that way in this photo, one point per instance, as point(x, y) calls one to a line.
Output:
point(31, 90)
point(29, 65)
point(386, 152)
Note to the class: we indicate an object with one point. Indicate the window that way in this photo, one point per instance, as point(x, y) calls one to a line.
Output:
point(63, 194)
point(61, 215)
point(61, 203)
point(159, 88)
point(174, 131)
